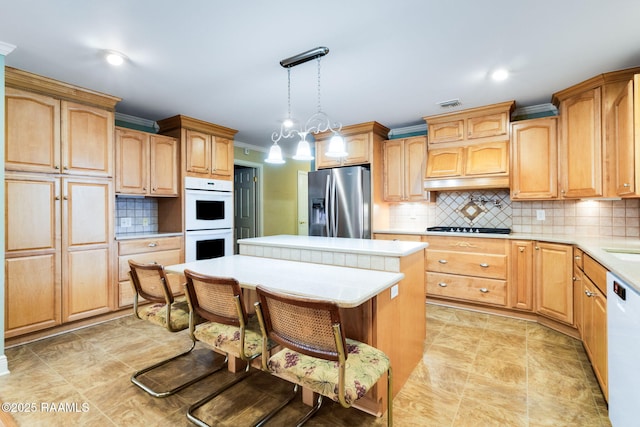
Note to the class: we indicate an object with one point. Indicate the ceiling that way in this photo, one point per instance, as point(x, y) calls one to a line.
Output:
point(391, 62)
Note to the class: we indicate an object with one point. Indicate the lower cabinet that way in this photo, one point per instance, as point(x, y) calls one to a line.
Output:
point(163, 250)
point(553, 281)
point(57, 250)
point(521, 274)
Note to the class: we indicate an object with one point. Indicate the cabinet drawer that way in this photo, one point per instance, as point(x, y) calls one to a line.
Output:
point(401, 237)
point(578, 257)
point(469, 264)
point(163, 258)
point(596, 272)
point(128, 247)
point(487, 291)
point(467, 244)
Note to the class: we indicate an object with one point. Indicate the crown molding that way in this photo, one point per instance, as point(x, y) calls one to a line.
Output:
point(6, 48)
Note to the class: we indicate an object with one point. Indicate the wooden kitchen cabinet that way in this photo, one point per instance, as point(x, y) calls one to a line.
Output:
point(206, 148)
point(469, 149)
point(161, 250)
point(404, 165)
point(468, 269)
point(534, 159)
point(57, 250)
point(45, 134)
point(146, 164)
point(358, 148)
point(521, 274)
point(553, 268)
point(392, 236)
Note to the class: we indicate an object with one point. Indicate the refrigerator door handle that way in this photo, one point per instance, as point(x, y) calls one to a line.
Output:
point(334, 205)
point(327, 208)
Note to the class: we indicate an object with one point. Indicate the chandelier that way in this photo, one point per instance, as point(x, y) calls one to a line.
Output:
point(317, 123)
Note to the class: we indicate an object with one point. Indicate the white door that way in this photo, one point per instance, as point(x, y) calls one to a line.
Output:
point(303, 204)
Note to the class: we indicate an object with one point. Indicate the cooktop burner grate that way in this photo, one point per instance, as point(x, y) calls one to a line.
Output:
point(478, 230)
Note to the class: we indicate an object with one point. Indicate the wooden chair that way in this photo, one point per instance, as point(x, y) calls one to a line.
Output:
point(150, 282)
point(316, 355)
point(227, 328)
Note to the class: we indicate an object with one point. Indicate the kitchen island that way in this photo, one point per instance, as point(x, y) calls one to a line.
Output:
point(379, 306)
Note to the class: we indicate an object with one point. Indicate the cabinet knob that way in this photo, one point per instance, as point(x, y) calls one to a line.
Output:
point(484, 265)
point(57, 197)
point(577, 257)
point(442, 261)
point(65, 198)
point(626, 185)
point(65, 168)
point(521, 249)
point(537, 248)
point(484, 290)
point(152, 244)
point(56, 167)
point(574, 278)
point(589, 293)
point(442, 285)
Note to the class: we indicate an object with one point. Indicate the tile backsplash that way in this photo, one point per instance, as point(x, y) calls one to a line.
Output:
point(494, 208)
point(141, 213)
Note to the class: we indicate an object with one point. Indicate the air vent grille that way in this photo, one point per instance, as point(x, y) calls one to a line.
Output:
point(450, 103)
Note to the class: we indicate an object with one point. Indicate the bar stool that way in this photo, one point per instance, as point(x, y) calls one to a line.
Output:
point(150, 282)
point(311, 334)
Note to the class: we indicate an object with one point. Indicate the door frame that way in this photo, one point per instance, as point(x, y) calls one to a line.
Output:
point(259, 193)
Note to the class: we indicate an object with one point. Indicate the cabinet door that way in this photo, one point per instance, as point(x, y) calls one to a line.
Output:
point(32, 132)
point(580, 145)
point(487, 159)
point(163, 159)
point(534, 159)
point(32, 299)
point(415, 154)
point(444, 162)
point(553, 281)
point(624, 152)
point(446, 132)
point(600, 341)
point(86, 219)
point(132, 156)
point(358, 148)
point(489, 125)
point(87, 140)
point(393, 170)
point(322, 161)
point(521, 275)
point(198, 152)
point(222, 161)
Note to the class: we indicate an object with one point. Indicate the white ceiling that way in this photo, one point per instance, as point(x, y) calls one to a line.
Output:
point(389, 61)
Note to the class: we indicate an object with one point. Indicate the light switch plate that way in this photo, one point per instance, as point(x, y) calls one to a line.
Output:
point(540, 216)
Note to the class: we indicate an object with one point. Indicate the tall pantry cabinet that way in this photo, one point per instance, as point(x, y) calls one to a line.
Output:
point(58, 201)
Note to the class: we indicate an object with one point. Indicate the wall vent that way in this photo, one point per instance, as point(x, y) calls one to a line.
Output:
point(450, 103)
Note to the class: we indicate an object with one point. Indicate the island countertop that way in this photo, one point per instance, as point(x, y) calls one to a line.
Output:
point(348, 287)
point(338, 244)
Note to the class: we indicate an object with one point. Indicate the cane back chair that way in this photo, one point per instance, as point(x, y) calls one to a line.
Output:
point(227, 328)
point(150, 282)
point(315, 353)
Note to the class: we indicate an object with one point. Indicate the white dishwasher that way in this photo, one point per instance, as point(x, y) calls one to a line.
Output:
point(623, 328)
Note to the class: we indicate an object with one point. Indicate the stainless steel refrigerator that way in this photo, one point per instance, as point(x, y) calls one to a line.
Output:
point(340, 202)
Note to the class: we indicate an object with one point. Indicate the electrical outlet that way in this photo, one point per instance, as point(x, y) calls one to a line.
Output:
point(394, 291)
point(125, 222)
point(145, 222)
point(540, 216)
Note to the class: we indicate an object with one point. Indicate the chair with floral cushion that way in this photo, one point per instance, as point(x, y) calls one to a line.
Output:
point(315, 354)
point(227, 328)
point(150, 282)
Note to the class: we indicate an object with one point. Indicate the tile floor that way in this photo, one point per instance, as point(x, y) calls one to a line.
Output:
point(477, 370)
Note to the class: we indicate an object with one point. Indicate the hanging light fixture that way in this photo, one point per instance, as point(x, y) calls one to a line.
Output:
point(318, 122)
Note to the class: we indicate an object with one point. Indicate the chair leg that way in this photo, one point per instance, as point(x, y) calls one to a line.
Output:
point(271, 414)
point(155, 393)
point(311, 413)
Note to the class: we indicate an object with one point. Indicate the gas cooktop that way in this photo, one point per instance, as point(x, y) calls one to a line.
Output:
point(474, 230)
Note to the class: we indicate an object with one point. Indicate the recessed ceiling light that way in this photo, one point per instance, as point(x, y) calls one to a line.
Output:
point(500, 74)
point(114, 58)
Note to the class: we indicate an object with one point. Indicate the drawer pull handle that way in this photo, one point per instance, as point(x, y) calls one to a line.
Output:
point(589, 293)
point(442, 285)
point(442, 261)
point(577, 257)
point(484, 265)
point(152, 244)
point(484, 290)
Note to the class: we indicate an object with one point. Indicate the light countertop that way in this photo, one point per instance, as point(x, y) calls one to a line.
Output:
point(338, 244)
point(594, 246)
point(349, 287)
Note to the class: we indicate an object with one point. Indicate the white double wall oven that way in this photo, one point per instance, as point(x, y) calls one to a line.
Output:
point(208, 218)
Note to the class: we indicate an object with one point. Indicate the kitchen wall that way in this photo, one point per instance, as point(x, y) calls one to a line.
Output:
point(607, 218)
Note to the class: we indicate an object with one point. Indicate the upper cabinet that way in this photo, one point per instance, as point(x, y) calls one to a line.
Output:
point(534, 159)
point(207, 148)
point(53, 127)
point(362, 142)
point(469, 149)
point(404, 164)
point(146, 164)
point(597, 149)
